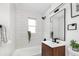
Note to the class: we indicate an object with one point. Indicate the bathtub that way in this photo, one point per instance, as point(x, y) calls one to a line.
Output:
point(7, 49)
point(28, 51)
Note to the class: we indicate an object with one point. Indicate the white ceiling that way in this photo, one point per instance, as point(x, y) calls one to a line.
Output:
point(39, 8)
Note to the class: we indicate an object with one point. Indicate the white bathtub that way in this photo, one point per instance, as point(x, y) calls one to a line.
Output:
point(7, 49)
point(28, 51)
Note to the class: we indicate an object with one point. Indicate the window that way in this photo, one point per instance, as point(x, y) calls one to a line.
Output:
point(32, 25)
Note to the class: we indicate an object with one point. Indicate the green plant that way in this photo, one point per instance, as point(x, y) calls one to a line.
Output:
point(74, 44)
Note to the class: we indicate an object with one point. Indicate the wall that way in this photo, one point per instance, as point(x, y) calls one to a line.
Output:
point(6, 19)
point(12, 24)
point(69, 34)
point(22, 27)
point(5, 16)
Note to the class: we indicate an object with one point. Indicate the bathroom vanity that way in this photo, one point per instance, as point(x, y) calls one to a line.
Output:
point(58, 29)
point(50, 48)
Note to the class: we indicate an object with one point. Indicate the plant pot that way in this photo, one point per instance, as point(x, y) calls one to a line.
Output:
point(75, 49)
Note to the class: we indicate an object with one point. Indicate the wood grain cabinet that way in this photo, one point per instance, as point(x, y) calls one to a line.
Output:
point(56, 51)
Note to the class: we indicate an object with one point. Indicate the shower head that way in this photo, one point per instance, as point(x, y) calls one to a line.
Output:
point(44, 17)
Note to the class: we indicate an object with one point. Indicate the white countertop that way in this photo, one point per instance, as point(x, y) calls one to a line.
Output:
point(53, 44)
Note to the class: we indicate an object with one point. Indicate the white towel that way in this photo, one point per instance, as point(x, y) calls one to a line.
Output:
point(0, 36)
point(4, 35)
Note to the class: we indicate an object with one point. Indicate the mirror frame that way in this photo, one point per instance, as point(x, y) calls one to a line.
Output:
point(64, 21)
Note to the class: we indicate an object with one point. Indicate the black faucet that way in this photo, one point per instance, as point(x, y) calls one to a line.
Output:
point(55, 40)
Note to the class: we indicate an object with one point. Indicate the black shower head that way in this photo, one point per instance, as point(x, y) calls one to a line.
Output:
point(43, 17)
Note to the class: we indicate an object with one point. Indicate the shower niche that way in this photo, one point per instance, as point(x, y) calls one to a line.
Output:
point(58, 24)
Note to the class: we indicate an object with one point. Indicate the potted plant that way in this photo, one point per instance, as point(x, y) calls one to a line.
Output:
point(74, 45)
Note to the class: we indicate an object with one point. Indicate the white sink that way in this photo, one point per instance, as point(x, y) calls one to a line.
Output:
point(53, 44)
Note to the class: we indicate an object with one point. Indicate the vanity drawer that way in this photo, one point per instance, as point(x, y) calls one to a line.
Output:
point(56, 51)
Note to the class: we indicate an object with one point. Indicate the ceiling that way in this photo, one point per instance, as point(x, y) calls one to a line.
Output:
point(35, 8)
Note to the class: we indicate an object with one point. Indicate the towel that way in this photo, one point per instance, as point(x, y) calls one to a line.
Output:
point(0, 36)
point(4, 35)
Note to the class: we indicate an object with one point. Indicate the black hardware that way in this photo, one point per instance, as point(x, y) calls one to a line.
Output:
point(44, 17)
point(0, 26)
point(56, 10)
